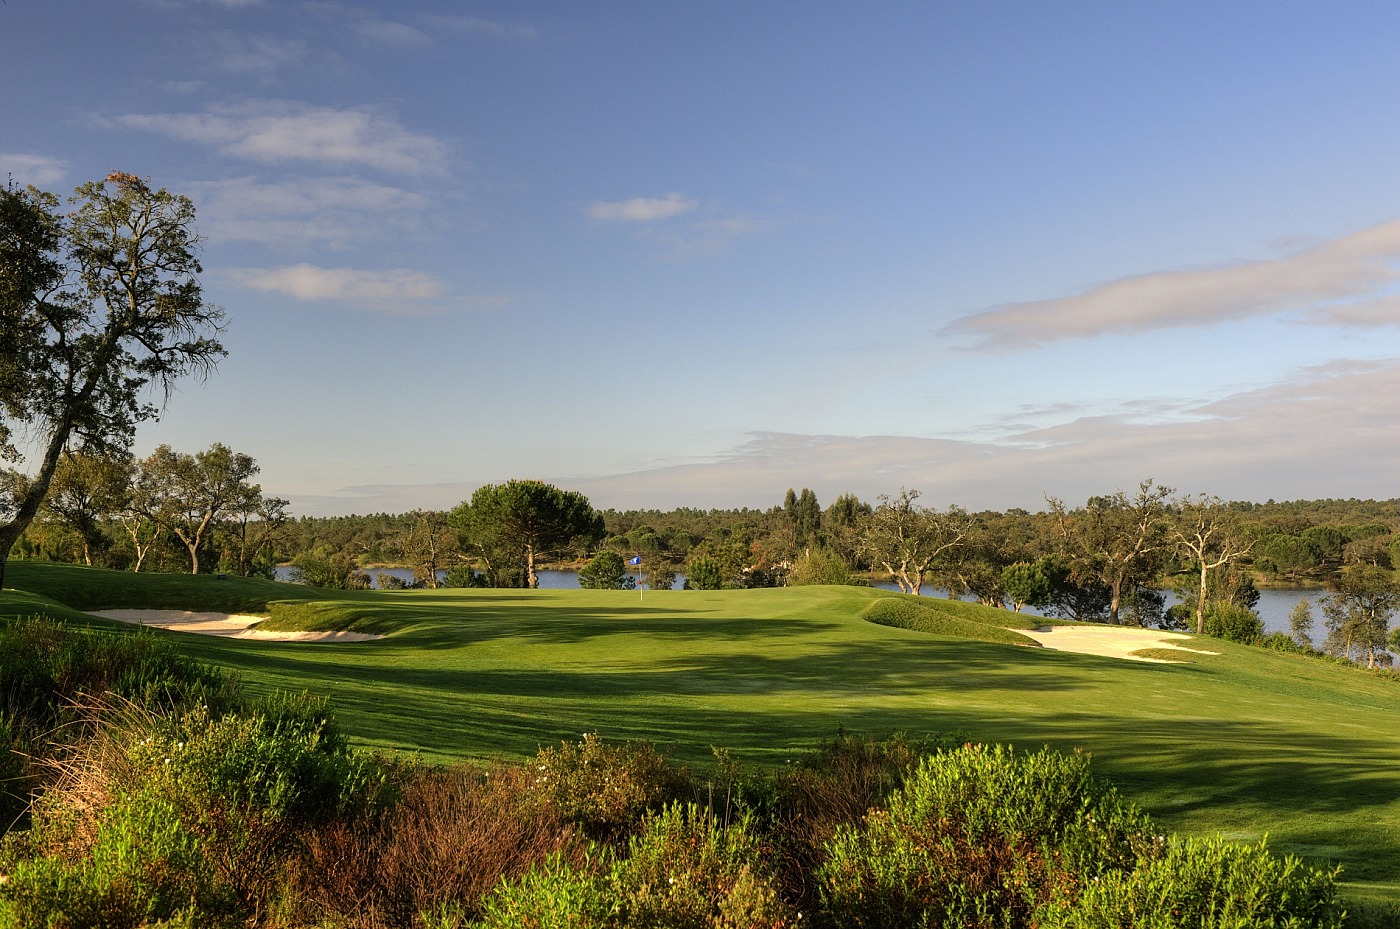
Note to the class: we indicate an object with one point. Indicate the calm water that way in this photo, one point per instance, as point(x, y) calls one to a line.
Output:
point(1274, 604)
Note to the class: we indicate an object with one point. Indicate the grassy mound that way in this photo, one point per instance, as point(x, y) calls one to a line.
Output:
point(939, 618)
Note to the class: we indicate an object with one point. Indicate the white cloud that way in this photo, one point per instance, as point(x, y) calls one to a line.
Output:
point(1384, 311)
point(280, 131)
point(641, 209)
point(479, 26)
point(39, 170)
point(262, 57)
point(1354, 266)
point(390, 290)
point(391, 34)
point(332, 210)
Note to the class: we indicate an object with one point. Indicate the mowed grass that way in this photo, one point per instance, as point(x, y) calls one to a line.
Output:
point(1245, 743)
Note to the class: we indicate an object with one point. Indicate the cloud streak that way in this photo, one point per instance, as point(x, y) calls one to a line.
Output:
point(1358, 266)
point(397, 291)
point(333, 210)
point(280, 131)
point(641, 209)
point(39, 170)
point(1331, 427)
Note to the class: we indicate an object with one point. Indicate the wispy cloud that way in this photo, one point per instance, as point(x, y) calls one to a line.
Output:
point(283, 131)
point(39, 170)
point(398, 291)
point(259, 56)
point(475, 25)
point(641, 209)
point(1331, 430)
point(1360, 265)
point(1363, 314)
point(332, 210)
point(392, 34)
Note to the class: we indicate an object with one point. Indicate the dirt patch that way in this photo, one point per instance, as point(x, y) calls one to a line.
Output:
point(1111, 641)
point(228, 625)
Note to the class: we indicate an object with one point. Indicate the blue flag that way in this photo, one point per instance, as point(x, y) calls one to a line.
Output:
point(635, 559)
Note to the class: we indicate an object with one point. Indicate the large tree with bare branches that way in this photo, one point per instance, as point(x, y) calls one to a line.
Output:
point(101, 311)
point(1116, 539)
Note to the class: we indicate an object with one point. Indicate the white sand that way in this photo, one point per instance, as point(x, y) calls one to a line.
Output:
point(230, 625)
point(1110, 641)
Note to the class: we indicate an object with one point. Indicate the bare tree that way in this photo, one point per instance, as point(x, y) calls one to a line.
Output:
point(1207, 531)
point(1116, 539)
point(906, 539)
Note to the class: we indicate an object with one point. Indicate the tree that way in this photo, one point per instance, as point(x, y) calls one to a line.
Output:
point(98, 308)
point(1026, 584)
point(803, 518)
point(906, 538)
point(1117, 539)
point(87, 489)
point(1207, 532)
point(606, 571)
point(255, 525)
point(526, 520)
point(188, 494)
point(1358, 613)
point(1300, 622)
point(429, 545)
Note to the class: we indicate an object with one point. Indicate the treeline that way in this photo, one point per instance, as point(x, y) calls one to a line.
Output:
point(202, 512)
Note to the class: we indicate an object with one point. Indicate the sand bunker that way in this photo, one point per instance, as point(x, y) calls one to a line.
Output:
point(1110, 641)
point(233, 626)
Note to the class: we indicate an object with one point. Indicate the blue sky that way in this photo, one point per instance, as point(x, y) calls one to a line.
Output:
point(695, 254)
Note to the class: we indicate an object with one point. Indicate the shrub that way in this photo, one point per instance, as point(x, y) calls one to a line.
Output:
point(820, 567)
point(50, 674)
point(452, 836)
point(1235, 623)
point(606, 571)
point(235, 790)
point(1281, 642)
point(604, 788)
point(1204, 884)
point(557, 894)
point(685, 870)
point(979, 837)
point(143, 866)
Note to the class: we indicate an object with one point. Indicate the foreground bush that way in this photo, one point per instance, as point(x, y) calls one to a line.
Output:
point(50, 674)
point(1205, 884)
point(683, 870)
point(190, 816)
point(981, 836)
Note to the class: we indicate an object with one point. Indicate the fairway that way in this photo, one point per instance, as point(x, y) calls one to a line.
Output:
point(1244, 743)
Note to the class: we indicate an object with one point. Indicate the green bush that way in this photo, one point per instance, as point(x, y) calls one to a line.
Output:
point(1235, 623)
point(557, 895)
point(980, 836)
point(1205, 884)
point(685, 869)
point(605, 788)
point(142, 866)
point(1282, 642)
point(51, 674)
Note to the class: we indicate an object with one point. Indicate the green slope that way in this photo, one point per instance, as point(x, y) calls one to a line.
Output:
point(1245, 743)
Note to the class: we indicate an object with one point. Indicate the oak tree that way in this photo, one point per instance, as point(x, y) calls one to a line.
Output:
point(101, 312)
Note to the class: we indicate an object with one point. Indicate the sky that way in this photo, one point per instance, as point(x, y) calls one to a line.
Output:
point(696, 254)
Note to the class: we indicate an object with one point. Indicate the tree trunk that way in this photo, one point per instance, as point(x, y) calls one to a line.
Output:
point(532, 580)
point(1201, 602)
